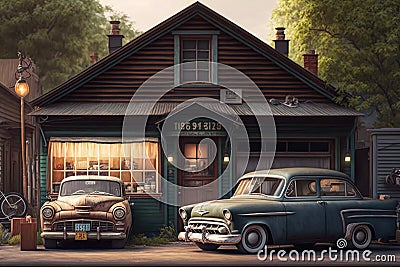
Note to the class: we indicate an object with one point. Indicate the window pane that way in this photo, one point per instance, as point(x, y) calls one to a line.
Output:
point(203, 45)
point(332, 187)
point(203, 55)
point(189, 44)
point(189, 76)
point(306, 188)
point(190, 151)
point(189, 56)
point(319, 147)
point(203, 76)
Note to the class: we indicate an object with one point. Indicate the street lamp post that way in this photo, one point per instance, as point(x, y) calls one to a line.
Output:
point(22, 90)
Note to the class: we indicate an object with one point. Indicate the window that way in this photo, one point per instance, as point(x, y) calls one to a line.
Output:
point(337, 188)
point(260, 186)
point(198, 157)
point(136, 163)
point(197, 52)
point(302, 188)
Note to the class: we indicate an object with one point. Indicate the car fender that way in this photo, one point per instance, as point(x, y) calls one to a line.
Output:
point(350, 227)
point(271, 235)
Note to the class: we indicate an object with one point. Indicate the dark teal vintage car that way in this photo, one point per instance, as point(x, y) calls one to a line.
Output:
point(299, 206)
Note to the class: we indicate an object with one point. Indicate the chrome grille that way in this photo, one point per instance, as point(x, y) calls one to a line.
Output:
point(105, 226)
point(211, 224)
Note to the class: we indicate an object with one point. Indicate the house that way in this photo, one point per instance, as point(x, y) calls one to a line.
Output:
point(10, 132)
point(108, 119)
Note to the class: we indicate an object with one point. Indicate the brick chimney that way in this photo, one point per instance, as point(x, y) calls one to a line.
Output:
point(311, 61)
point(94, 57)
point(281, 45)
point(114, 38)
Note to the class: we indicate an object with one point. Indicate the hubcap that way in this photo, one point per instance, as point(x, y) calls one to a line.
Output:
point(360, 236)
point(253, 238)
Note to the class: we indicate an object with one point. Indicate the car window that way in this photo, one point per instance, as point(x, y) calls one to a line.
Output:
point(260, 185)
point(93, 187)
point(302, 188)
point(337, 188)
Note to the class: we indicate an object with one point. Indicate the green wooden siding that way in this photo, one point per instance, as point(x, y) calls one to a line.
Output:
point(147, 215)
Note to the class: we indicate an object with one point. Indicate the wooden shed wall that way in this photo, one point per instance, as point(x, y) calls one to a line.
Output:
point(122, 80)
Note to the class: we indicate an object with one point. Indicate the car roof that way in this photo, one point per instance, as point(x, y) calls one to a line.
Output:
point(92, 177)
point(288, 173)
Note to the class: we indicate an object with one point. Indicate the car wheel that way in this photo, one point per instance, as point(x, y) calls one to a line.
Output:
point(254, 238)
point(49, 243)
point(118, 244)
point(361, 236)
point(207, 247)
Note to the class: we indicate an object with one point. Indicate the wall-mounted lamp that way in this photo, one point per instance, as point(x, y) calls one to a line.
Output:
point(226, 158)
point(170, 158)
point(347, 157)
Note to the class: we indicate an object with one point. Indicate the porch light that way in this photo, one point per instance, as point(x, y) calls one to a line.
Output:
point(347, 157)
point(226, 158)
point(170, 158)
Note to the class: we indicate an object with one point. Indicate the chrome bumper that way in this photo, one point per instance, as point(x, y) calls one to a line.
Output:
point(209, 238)
point(90, 236)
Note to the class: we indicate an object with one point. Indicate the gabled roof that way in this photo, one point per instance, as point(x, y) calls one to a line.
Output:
point(168, 25)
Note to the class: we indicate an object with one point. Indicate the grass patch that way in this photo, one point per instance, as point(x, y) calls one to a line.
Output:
point(167, 234)
point(14, 240)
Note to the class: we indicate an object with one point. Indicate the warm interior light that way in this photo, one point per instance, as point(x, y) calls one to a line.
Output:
point(347, 157)
point(226, 158)
point(21, 87)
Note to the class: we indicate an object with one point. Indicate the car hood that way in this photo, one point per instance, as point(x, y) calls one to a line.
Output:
point(237, 206)
point(87, 202)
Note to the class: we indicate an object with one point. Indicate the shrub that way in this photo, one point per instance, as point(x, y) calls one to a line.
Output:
point(4, 235)
point(14, 240)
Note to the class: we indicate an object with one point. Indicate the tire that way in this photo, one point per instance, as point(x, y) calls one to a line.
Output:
point(254, 239)
point(49, 243)
point(17, 208)
point(361, 237)
point(207, 247)
point(118, 244)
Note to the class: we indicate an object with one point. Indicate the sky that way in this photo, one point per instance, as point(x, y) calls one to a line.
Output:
point(252, 15)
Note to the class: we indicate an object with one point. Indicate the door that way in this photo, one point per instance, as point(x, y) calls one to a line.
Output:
point(306, 224)
point(200, 170)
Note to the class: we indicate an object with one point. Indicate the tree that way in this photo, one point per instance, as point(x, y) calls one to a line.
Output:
point(58, 35)
point(358, 42)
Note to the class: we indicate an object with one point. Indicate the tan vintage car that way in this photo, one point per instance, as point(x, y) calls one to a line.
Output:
point(87, 208)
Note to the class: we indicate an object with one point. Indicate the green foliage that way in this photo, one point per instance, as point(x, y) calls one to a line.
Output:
point(39, 239)
point(167, 234)
point(4, 235)
point(358, 46)
point(14, 240)
point(58, 35)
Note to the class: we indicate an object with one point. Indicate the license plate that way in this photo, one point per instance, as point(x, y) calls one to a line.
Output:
point(80, 236)
point(82, 227)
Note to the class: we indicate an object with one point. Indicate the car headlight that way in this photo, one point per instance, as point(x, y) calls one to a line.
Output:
point(119, 213)
point(48, 212)
point(183, 214)
point(227, 214)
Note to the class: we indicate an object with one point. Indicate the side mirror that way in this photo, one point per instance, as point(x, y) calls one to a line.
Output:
point(48, 197)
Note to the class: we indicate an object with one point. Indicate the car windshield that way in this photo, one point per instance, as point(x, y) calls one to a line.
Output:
point(92, 187)
point(260, 185)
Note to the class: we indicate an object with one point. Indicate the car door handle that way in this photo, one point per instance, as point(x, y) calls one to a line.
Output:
point(321, 202)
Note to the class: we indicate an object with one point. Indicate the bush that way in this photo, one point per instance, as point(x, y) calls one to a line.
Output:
point(167, 234)
point(4, 235)
point(14, 240)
